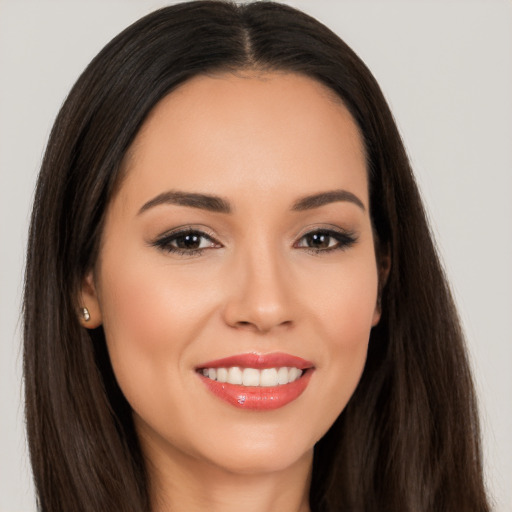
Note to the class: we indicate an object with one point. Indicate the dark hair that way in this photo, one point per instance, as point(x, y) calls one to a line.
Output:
point(409, 438)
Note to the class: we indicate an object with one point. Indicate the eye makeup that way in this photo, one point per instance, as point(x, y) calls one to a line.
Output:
point(186, 241)
point(192, 241)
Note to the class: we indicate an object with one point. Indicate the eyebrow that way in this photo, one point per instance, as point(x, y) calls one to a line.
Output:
point(323, 198)
point(193, 200)
point(217, 204)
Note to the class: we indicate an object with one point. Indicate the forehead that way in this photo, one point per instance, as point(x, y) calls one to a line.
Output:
point(260, 131)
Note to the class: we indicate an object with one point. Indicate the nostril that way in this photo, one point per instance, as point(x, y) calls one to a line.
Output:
point(260, 326)
point(244, 325)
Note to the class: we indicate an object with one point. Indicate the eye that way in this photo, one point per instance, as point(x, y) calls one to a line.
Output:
point(187, 242)
point(326, 240)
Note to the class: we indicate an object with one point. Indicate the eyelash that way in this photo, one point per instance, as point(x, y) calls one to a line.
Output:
point(344, 240)
point(164, 243)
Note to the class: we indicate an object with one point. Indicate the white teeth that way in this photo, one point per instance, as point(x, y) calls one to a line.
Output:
point(234, 375)
point(282, 375)
point(294, 374)
point(268, 377)
point(252, 376)
point(222, 374)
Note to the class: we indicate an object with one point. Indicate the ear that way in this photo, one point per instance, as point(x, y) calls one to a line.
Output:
point(89, 299)
point(384, 267)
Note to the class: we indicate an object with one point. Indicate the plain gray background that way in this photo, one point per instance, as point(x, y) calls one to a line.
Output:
point(446, 69)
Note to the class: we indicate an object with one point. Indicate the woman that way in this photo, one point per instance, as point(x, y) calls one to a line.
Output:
point(232, 296)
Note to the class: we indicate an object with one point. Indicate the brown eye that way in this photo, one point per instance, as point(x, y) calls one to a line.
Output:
point(326, 240)
point(187, 243)
point(190, 241)
point(319, 240)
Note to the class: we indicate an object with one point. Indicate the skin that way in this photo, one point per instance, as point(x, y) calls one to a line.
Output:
point(261, 142)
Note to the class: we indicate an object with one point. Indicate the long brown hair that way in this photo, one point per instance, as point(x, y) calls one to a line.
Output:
point(409, 438)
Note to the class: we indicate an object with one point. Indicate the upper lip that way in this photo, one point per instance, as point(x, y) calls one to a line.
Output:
point(259, 361)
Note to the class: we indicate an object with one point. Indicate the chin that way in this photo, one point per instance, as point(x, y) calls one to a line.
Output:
point(260, 463)
point(260, 452)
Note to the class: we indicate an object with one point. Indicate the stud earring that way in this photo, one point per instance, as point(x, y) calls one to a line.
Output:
point(85, 314)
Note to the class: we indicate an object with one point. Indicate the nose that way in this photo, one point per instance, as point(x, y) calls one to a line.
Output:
point(261, 295)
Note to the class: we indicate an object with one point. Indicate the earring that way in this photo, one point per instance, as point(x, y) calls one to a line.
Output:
point(85, 314)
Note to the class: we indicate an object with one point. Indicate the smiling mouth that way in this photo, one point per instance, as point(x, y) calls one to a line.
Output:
point(257, 382)
point(252, 377)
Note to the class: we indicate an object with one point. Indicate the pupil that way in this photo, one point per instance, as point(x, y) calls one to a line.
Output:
point(188, 242)
point(319, 240)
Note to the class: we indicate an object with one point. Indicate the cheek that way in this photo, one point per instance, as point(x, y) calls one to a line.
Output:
point(151, 314)
point(345, 313)
point(148, 302)
point(345, 300)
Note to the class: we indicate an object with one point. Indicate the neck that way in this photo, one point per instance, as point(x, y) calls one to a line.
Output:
point(180, 483)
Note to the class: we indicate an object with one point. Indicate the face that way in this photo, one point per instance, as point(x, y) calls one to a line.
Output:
point(237, 278)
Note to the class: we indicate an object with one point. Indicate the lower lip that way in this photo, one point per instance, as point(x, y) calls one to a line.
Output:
point(258, 398)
